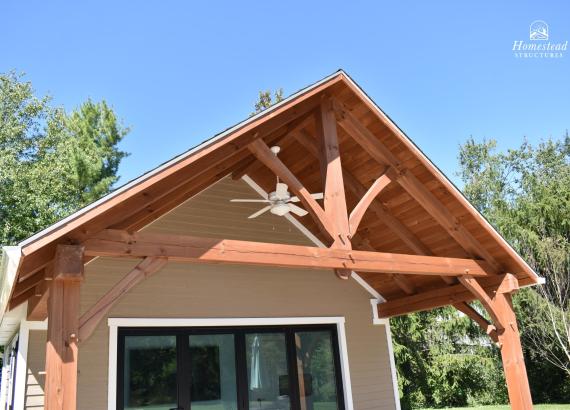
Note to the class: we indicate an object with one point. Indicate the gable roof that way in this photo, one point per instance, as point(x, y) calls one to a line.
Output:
point(146, 198)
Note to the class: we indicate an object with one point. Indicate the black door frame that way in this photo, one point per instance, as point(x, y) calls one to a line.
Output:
point(239, 333)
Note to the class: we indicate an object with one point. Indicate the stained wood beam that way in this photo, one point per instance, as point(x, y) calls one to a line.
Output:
point(512, 355)
point(365, 138)
point(92, 317)
point(483, 323)
point(29, 283)
point(193, 249)
point(481, 294)
point(402, 281)
point(251, 164)
point(38, 304)
point(262, 152)
point(366, 200)
point(448, 295)
point(63, 326)
point(359, 190)
point(499, 306)
point(333, 185)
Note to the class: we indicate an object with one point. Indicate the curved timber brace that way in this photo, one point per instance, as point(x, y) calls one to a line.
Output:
point(504, 328)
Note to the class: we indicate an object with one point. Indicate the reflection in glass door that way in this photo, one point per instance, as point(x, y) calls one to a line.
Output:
point(239, 368)
point(149, 369)
point(316, 370)
point(213, 372)
point(268, 375)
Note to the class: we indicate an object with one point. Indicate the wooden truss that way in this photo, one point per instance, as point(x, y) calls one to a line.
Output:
point(479, 276)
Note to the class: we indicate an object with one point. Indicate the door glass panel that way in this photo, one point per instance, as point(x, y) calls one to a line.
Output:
point(267, 374)
point(150, 372)
point(213, 372)
point(315, 366)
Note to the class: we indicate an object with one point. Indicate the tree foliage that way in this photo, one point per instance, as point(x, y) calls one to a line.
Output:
point(266, 100)
point(51, 162)
point(445, 360)
point(525, 194)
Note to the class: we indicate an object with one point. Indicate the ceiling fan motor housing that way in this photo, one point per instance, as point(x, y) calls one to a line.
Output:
point(280, 209)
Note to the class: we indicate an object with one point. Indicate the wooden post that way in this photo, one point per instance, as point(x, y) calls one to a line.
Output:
point(500, 307)
point(63, 328)
point(333, 184)
point(512, 355)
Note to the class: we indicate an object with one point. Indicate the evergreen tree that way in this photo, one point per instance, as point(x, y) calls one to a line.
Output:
point(51, 162)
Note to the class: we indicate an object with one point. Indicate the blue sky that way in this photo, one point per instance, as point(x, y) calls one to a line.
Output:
point(178, 72)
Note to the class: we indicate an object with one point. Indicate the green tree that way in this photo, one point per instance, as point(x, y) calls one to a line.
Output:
point(51, 162)
point(266, 100)
point(525, 194)
point(443, 359)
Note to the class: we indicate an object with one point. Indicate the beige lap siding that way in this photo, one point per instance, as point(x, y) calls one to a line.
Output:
point(201, 291)
point(35, 377)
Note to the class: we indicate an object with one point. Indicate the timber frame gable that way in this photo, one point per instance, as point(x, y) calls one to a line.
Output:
point(388, 214)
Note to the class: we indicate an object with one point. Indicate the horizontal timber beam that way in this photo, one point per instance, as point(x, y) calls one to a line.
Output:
point(116, 243)
point(448, 295)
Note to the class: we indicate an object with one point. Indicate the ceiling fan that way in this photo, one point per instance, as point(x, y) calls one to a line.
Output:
point(280, 202)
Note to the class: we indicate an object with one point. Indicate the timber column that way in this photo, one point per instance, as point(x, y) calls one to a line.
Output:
point(512, 354)
point(500, 308)
point(63, 329)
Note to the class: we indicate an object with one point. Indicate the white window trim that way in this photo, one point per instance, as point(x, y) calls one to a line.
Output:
point(115, 323)
point(386, 323)
point(22, 360)
point(7, 382)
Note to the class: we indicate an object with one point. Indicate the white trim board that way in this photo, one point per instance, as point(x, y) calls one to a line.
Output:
point(22, 360)
point(393, 372)
point(115, 323)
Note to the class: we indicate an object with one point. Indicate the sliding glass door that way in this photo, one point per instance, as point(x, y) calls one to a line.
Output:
point(264, 368)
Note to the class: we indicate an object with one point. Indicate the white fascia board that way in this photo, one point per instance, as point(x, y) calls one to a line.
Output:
point(10, 261)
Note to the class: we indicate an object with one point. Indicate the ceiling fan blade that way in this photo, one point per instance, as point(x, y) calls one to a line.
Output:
point(315, 196)
point(282, 190)
point(261, 211)
point(297, 210)
point(250, 200)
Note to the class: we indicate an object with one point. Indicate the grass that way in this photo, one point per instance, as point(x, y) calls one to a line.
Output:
point(505, 407)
